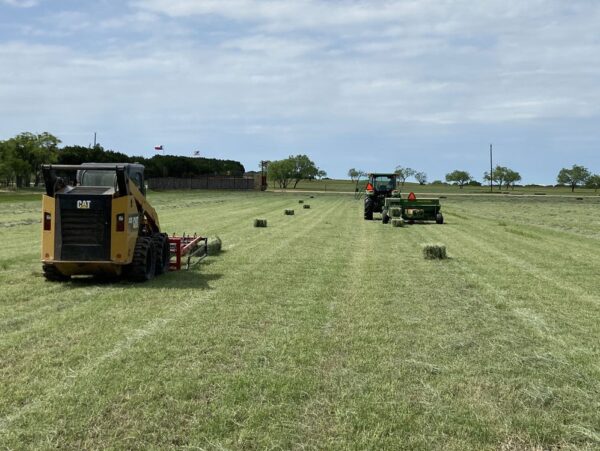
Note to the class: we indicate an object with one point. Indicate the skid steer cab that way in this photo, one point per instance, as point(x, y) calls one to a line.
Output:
point(96, 220)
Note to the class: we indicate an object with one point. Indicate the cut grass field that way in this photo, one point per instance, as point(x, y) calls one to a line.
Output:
point(320, 331)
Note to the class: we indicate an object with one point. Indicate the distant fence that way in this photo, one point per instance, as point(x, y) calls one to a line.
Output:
point(206, 182)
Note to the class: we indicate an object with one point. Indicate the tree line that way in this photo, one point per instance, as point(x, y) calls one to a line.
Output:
point(500, 176)
point(22, 156)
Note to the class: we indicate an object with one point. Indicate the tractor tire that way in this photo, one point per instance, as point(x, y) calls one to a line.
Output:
point(368, 209)
point(385, 217)
point(162, 251)
point(439, 218)
point(143, 265)
point(52, 274)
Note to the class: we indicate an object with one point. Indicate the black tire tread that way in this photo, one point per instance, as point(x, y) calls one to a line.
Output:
point(162, 252)
point(368, 209)
point(138, 270)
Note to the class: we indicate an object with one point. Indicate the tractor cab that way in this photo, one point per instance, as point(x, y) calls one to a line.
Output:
point(379, 187)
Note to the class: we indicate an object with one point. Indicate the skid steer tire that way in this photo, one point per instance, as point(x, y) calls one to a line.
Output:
point(162, 251)
point(368, 209)
point(54, 275)
point(142, 267)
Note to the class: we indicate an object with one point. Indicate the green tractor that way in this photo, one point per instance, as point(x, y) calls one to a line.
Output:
point(382, 196)
point(379, 187)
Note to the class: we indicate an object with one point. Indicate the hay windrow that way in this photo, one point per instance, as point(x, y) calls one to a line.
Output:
point(260, 223)
point(288, 212)
point(434, 251)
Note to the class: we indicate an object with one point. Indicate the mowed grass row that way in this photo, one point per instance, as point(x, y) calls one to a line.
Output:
point(319, 331)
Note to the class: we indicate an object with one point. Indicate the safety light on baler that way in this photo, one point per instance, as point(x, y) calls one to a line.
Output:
point(47, 221)
point(120, 222)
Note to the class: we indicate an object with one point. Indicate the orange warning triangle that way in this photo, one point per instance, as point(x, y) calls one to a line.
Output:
point(412, 196)
point(369, 187)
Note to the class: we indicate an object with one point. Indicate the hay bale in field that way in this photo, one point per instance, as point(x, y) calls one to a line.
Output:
point(300, 201)
point(395, 212)
point(397, 222)
point(288, 212)
point(434, 252)
point(306, 206)
point(579, 198)
point(260, 223)
point(214, 246)
point(312, 197)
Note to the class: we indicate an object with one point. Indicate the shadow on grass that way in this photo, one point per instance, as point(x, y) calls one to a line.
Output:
point(184, 279)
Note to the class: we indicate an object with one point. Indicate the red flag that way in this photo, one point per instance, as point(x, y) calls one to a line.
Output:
point(158, 147)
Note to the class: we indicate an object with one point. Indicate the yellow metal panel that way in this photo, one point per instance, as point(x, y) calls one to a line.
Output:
point(48, 241)
point(122, 244)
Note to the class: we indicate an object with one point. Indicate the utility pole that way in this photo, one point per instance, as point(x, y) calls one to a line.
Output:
point(491, 170)
point(94, 139)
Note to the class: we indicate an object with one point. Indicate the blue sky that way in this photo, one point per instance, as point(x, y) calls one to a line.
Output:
point(427, 84)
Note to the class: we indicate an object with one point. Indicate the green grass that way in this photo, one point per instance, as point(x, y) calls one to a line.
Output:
point(319, 331)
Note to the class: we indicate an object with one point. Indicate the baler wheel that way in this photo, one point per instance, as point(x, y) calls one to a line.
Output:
point(439, 218)
point(143, 265)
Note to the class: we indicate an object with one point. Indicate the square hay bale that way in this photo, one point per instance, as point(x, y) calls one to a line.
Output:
point(260, 223)
point(312, 197)
point(434, 252)
point(396, 212)
point(306, 206)
point(300, 201)
point(214, 246)
point(397, 222)
point(288, 212)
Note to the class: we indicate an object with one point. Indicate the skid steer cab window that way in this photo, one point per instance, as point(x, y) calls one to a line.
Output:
point(99, 178)
point(383, 183)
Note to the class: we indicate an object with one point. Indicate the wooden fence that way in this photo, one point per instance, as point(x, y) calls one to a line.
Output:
point(202, 182)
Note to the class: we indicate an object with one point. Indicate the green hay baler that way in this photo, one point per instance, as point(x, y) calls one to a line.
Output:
point(411, 209)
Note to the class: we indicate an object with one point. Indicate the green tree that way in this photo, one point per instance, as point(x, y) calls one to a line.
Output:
point(511, 177)
point(593, 181)
point(404, 173)
point(353, 174)
point(461, 178)
point(304, 168)
point(498, 176)
point(293, 169)
point(421, 178)
point(574, 177)
point(23, 155)
point(282, 172)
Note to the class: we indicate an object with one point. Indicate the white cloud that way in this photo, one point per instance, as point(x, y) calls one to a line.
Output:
point(293, 68)
point(21, 3)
